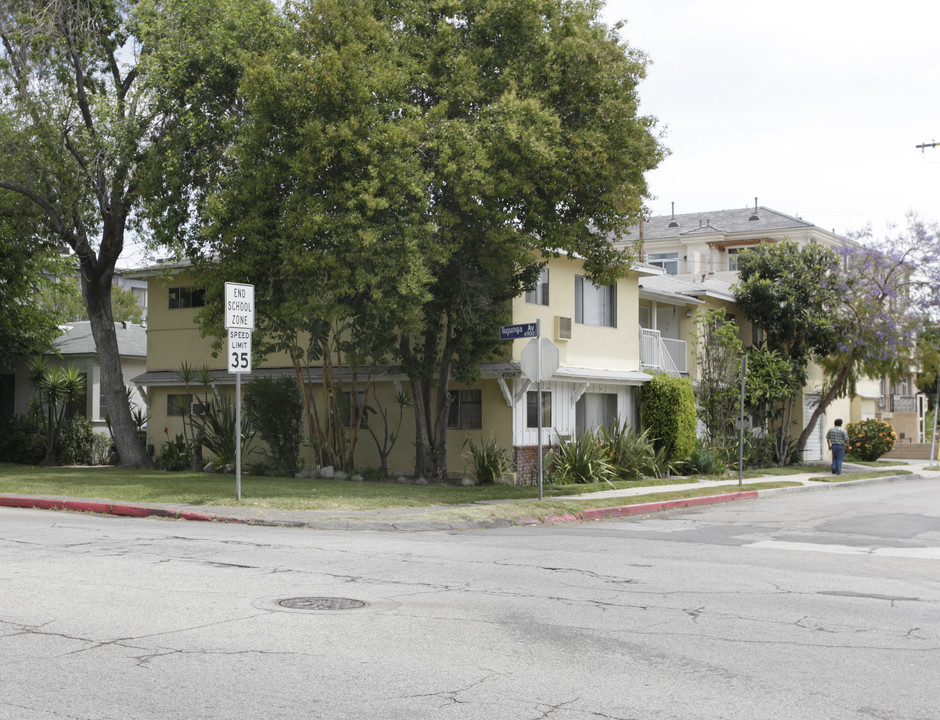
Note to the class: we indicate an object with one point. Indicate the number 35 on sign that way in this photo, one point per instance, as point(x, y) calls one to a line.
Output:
point(239, 351)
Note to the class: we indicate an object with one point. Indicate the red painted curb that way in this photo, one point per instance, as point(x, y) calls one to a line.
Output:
point(623, 510)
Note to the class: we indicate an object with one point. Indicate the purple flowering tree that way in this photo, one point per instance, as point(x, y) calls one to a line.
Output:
point(856, 311)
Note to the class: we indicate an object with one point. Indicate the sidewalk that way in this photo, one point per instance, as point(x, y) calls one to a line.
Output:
point(421, 519)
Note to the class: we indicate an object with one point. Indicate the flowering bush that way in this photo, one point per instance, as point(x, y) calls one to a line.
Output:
point(870, 439)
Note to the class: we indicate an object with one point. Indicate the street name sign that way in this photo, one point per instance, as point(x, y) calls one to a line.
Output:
point(522, 330)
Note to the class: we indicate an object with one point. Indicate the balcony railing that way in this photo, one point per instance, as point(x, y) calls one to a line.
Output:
point(662, 354)
point(904, 403)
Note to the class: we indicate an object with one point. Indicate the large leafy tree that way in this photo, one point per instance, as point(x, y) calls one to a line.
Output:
point(411, 164)
point(26, 327)
point(84, 131)
point(532, 145)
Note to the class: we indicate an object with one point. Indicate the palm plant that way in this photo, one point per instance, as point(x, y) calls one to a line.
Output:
point(57, 387)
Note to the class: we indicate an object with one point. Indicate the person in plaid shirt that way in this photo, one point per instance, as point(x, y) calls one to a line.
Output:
point(838, 440)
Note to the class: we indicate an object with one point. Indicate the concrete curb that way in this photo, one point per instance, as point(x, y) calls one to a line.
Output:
point(414, 524)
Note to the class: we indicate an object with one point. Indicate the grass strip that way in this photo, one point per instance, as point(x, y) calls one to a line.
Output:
point(187, 488)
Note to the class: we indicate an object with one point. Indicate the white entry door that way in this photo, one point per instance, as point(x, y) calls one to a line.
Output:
point(814, 443)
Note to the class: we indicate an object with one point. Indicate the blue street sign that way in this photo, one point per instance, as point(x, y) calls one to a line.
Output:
point(514, 332)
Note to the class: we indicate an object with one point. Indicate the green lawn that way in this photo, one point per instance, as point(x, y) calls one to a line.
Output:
point(120, 485)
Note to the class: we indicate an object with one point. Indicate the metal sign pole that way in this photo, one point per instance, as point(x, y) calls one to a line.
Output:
point(936, 411)
point(238, 436)
point(538, 335)
point(741, 432)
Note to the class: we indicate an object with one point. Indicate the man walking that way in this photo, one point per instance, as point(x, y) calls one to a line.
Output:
point(838, 440)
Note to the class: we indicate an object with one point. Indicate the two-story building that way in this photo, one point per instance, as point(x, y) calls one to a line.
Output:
point(595, 329)
point(698, 255)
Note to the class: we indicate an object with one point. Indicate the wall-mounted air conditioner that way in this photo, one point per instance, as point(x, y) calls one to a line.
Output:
point(562, 327)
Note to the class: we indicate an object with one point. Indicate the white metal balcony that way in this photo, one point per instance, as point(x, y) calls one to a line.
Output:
point(661, 354)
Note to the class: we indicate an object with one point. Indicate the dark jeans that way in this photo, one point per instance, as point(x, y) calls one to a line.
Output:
point(838, 455)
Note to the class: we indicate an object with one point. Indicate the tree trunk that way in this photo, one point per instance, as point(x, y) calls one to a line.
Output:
point(96, 288)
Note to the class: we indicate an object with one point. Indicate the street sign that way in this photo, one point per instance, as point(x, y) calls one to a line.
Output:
point(239, 306)
point(530, 359)
point(239, 351)
point(514, 332)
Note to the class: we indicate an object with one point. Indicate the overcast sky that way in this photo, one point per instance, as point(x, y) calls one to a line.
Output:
point(814, 107)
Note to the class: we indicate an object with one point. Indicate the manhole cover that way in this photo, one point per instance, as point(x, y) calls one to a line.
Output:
point(321, 603)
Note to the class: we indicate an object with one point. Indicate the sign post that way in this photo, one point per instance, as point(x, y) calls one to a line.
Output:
point(539, 360)
point(239, 321)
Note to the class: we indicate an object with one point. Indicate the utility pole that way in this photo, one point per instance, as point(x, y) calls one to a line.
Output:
point(925, 145)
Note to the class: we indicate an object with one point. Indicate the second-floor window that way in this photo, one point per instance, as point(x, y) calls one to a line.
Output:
point(733, 257)
point(538, 295)
point(668, 261)
point(187, 297)
point(594, 305)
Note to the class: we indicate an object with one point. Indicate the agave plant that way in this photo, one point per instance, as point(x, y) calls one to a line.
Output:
point(586, 459)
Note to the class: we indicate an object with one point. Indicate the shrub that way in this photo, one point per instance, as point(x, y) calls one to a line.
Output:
point(632, 454)
point(488, 461)
point(76, 442)
point(586, 459)
point(870, 439)
point(277, 412)
point(667, 405)
point(704, 460)
point(23, 439)
point(175, 455)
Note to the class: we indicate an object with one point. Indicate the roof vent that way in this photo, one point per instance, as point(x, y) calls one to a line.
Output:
point(673, 223)
point(755, 216)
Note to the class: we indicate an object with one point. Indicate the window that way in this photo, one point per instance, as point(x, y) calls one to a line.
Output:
point(539, 294)
point(757, 336)
point(594, 410)
point(594, 305)
point(733, 257)
point(532, 403)
point(466, 409)
point(178, 405)
point(187, 297)
point(644, 317)
point(668, 261)
point(345, 404)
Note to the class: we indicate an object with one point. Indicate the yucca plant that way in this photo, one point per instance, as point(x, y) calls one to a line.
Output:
point(631, 453)
point(216, 431)
point(487, 461)
point(586, 459)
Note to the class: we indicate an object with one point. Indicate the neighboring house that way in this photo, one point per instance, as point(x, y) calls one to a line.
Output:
point(697, 255)
point(76, 347)
point(595, 329)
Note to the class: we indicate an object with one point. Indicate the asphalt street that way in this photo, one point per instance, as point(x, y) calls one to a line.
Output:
point(820, 605)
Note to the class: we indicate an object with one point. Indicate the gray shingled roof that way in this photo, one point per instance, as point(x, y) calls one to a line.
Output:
point(77, 340)
point(724, 221)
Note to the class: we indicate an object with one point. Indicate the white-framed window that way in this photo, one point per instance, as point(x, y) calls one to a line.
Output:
point(594, 305)
point(538, 295)
point(668, 261)
point(594, 410)
point(531, 409)
point(466, 409)
point(645, 317)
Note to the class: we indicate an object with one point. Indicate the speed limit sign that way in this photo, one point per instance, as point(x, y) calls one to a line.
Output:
point(239, 351)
